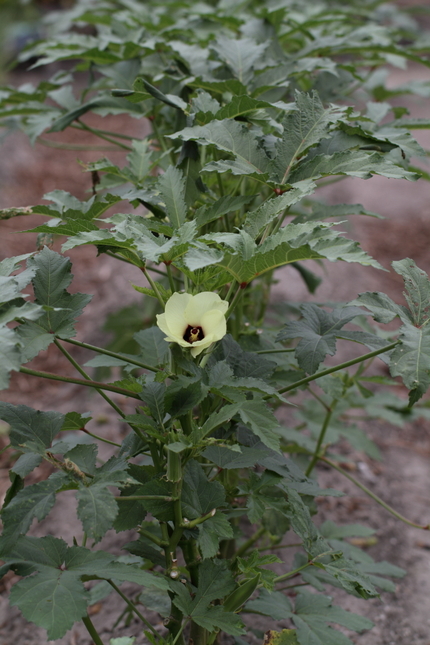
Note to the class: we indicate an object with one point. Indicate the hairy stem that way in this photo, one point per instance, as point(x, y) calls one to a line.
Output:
point(322, 434)
point(336, 368)
point(83, 373)
point(107, 352)
point(133, 608)
point(99, 134)
point(92, 630)
point(78, 381)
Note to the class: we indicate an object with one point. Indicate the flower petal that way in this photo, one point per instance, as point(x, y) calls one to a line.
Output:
point(214, 325)
point(202, 303)
point(175, 320)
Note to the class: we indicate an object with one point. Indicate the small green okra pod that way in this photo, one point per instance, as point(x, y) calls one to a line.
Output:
point(240, 595)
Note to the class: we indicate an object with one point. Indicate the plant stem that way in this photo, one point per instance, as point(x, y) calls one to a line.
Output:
point(234, 302)
point(121, 258)
point(96, 436)
point(319, 399)
point(275, 351)
point(322, 434)
point(275, 547)
point(82, 372)
point(78, 381)
point(100, 134)
point(152, 538)
point(163, 498)
point(133, 608)
point(101, 350)
point(180, 632)
point(377, 499)
point(73, 146)
point(154, 287)
point(336, 368)
point(290, 574)
point(252, 540)
point(5, 448)
point(92, 630)
point(170, 276)
point(78, 126)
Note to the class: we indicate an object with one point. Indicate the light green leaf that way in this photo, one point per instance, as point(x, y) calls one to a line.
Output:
point(140, 159)
point(240, 106)
point(354, 163)
point(411, 360)
point(223, 205)
point(10, 355)
point(172, 189)
point(240, 54)
point(303, 128)
point(381, 306)
point(257, 219)
point(232, 137)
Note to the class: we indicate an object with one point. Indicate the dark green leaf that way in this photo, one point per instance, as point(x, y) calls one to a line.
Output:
point(97, 510)
point(31, 429)
point(154, 349)
point(32, 502)
point(52, 599)
point(199, 496)
point(318, 331)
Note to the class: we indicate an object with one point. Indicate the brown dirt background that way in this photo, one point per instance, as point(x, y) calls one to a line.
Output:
point(403, 477)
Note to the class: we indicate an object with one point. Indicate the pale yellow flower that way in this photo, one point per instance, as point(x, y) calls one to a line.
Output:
point(194, 321)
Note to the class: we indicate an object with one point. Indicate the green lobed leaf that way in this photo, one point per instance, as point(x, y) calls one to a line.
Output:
point(52, 599)
point(31, 430)
point(222, 206)
point(211, 531)
point(10, 355)
point(231, 137)
point(311, 615)
point(215, 582)
point(199, 496)
point(153, 348)
point(50, 283)
point(261, 420)
point(32, 502)
point(257, 219)
point(240, 54)
point(318, 330)
point(97, 510)
point(304, 127)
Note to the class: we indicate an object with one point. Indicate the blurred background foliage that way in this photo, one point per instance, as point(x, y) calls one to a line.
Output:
point(21, 22)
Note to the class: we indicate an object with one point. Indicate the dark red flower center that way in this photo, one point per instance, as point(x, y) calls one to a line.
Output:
point(193, 333)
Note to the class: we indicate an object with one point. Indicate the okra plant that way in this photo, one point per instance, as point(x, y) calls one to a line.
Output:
point(249, 107)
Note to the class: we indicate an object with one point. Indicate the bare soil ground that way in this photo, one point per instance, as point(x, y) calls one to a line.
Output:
point(402, 479)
